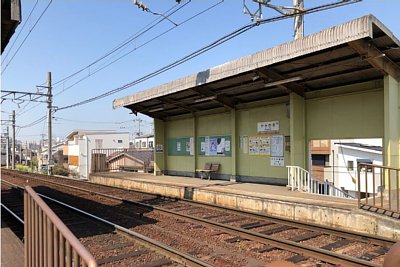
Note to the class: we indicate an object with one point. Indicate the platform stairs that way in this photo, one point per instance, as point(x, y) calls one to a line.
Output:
point(301, 180)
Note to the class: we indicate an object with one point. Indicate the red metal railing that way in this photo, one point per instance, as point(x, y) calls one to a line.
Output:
point(378, 187)
point(48, 242)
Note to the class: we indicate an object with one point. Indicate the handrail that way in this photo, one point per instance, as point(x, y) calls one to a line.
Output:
point(301, 180)
point(48, 242)
point(298, 178)
point(383, 186)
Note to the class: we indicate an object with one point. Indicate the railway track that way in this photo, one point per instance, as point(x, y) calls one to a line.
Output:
point(264, 238)
point(110, 244)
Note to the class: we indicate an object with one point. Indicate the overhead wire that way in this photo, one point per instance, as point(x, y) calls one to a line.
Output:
point(93, 122)
point(26, 37)
point(34, 123)
point(139, 33)
point(205, 49)
point(136, 48)
point(19, 33)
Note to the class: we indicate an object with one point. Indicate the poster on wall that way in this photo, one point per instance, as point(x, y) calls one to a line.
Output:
point(277, 145)
point(253, 145)
point(178, 146)
point(214, 146)
point(245, 146)
point(277, 161)
point(191, 146)
point(264, 146)
point(259, 145)
point(227, 145)
point(268, 127)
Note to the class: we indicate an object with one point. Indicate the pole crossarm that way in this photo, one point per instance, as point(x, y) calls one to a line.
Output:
point(22, 96)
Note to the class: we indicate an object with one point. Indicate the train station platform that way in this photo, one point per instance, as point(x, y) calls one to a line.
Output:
point(12, 248)
point(277, 201)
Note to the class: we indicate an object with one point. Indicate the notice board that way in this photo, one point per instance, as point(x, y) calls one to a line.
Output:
point(214, 145)
point(181, 146)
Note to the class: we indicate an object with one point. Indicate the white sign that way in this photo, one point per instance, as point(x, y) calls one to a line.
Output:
point(277, 145)
point(278, 161)
point(268, 127)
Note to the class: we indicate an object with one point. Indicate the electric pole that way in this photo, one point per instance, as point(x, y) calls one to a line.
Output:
point(139, 120)
point(49, 107)
point(13, 141)
point(298, 19)
point(8, 149)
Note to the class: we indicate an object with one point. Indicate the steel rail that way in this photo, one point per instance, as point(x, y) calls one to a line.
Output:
point(12, 213)
point(176, 255)
point(360, 237)
point(284, 244)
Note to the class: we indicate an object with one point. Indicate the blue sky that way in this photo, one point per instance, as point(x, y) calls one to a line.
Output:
point(74, 33)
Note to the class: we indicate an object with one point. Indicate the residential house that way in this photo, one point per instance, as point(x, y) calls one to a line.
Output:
point(144, 141)
point(80, 144)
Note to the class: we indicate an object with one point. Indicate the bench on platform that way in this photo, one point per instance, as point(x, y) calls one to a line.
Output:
point(208, 170)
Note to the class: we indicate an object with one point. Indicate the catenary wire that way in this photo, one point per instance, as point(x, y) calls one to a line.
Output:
point(26, 37)
point(203, 50)
point(139, 33)
point(136, 48)
point(19, 33)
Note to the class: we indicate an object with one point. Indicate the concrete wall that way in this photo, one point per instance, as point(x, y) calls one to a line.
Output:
point(179, 128)
point(347, 116)
point(355, 111)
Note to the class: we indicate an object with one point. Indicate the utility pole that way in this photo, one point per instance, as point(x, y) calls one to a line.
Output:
point(49, 107)
point(26, 153)
point(139, 120)
point(8, 149)
point(13, 141)
point(20, 153)
point(298, 19)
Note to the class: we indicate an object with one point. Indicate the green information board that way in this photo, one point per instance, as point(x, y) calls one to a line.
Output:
point(180, 146)
point(214, 146)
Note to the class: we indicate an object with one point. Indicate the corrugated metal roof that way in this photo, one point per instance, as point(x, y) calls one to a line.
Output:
point(335, 36)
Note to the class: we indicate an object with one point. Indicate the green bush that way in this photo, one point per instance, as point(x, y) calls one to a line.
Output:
point(60, 170)
point(22, 168)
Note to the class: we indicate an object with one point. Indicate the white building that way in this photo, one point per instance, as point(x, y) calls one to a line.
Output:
point(346, 156)
point(81, 142)
point(144, 141)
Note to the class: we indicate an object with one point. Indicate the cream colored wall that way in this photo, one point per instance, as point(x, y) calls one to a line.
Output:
point(214, 125)
point(345, 116)
point(159, 139)
point(179, 128)
point(354, 115)
point(391, 140)
point(260, 166)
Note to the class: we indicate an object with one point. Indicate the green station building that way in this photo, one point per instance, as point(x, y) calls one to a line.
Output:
point(257, 114)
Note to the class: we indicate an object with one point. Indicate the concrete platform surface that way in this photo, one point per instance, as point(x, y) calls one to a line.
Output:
point(273, 200)
point(12, 248)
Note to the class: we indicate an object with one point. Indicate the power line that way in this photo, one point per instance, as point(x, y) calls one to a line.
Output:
point(93, 122)
point(34, 123)
point(139, 33)
point(23, 26)
point(136, 48)
point(26, 37)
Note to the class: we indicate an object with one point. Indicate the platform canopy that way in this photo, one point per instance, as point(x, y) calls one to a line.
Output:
point(10, 18)
point(358, 51)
